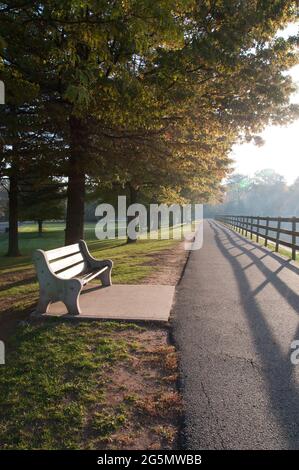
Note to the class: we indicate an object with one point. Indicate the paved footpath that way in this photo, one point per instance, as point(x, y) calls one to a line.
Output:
point(235, 317)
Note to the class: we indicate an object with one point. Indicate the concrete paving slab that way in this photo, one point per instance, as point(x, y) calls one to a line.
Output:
point(121, 302)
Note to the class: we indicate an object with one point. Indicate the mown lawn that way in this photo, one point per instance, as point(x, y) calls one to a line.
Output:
point(99, 385)
point(126, 257)
point(61, 387)
point(18, 277)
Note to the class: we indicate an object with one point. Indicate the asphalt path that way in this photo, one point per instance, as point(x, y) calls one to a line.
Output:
point(235, 317)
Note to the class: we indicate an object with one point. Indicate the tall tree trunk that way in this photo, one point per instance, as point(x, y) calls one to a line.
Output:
point(13, 237)
point(133, 194)
point(76, 182)
point(40, 227)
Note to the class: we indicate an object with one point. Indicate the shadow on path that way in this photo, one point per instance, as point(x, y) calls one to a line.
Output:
point(277, 368)
point(226, 236)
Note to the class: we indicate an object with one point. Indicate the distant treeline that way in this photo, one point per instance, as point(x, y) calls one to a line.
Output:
point(267, 193)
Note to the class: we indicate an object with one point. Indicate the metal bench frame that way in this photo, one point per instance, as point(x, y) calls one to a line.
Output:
point(63, 272)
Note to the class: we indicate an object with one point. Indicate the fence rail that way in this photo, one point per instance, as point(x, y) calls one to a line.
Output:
point(268, 228)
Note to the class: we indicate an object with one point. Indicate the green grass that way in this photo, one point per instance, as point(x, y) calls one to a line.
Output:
point(52, 393)
point(53, 388)
point(128, 259)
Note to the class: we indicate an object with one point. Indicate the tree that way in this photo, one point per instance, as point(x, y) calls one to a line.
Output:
point(164, 166)
point(41, 200)
point(265, 194)
point(30, 146)
point(3, 202)
point(268, 195)
point(291, 203)
point(214, 70)
point(84, 55)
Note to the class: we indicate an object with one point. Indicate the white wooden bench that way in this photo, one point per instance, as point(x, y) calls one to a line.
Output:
point(63, 272)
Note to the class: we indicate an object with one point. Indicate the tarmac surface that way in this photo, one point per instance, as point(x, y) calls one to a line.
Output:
point(235, 317)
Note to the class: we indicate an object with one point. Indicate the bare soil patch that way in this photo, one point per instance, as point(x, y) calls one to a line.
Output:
point(146, 388)
point(169, 265)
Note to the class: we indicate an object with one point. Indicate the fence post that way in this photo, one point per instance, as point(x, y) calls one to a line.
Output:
point(294, 238)
point(258, 229)
point(242, 224)
point(246, 230)
point(251, 228)
point(266, 232)
point(277, 234)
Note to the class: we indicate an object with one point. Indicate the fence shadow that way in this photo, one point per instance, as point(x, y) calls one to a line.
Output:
point(252, 250)
point(277, 368)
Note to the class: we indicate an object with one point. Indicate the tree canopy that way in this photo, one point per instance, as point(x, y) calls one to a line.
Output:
point(147, 94)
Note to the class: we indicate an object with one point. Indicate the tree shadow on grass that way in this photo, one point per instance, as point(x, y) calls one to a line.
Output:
point(10, 318)
point(17, 283)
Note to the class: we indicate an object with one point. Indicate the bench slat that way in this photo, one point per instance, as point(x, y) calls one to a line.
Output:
point(66, 262)
point(63, 251)
point(92, 275)
point(73, 271)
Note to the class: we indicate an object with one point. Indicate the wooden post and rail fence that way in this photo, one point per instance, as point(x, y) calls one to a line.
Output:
point(268, 228)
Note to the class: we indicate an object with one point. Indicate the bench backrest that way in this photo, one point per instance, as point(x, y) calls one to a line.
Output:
point(67, 261)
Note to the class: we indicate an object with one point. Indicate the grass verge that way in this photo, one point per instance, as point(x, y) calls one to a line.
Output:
point(88, 386)
point(98, 385)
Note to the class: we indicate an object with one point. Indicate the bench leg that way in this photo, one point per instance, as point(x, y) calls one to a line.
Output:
point(105, 277)
point(73, 306)
point(71, 299)
point(43, 305)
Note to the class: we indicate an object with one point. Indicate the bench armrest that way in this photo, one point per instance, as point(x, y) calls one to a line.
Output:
point(93, 262)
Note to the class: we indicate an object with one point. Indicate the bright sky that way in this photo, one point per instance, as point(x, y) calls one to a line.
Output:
point(281, 148)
